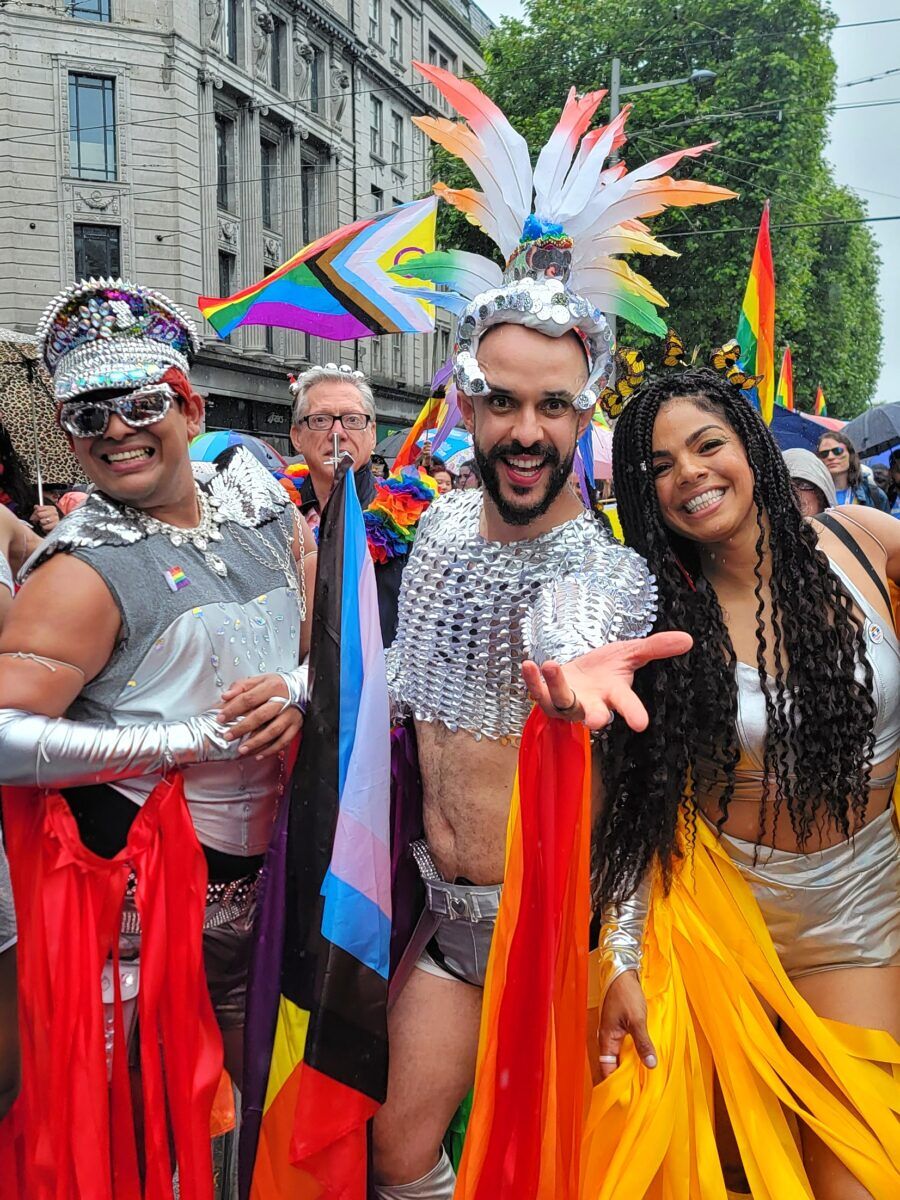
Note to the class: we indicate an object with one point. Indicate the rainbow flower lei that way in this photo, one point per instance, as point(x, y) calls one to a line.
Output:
point(393, 515)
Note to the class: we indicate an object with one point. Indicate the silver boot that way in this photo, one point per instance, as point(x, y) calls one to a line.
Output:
point(438, 1184)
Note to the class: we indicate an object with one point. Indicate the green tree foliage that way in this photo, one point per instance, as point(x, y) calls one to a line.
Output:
point(768, 112)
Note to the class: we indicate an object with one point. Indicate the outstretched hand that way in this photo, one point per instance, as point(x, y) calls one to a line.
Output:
point(591, 689)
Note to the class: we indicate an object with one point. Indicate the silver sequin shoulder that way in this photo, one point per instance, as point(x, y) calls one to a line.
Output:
point(472, 610)
point(244, 490)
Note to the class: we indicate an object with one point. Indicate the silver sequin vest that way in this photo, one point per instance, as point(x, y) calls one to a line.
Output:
point(472, 610)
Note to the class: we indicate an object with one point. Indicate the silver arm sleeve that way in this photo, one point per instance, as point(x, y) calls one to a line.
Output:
point(53, 752)
point(297, 684)
point(622, 934)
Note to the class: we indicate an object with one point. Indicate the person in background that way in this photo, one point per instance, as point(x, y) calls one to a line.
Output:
point(469, 475)
point(811, 481)
point(379, 466)
point(45, 517)
point(882, 476)
point(331, 400)
point(839, 455)
point(443, 478)
point(16, 492)
point(893, 488)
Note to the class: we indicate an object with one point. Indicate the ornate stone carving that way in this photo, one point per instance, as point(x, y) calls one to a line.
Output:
point(97, 201)
point(215, 13)
point(340, 86)
point(206, 76)
point(271, 250)
point(263, 28)
point(303, 57)
point(228, 232)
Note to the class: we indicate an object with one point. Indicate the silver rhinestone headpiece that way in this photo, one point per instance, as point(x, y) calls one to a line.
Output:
point(110, 333)
point(545, 304)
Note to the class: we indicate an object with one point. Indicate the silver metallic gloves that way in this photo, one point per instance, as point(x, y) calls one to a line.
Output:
point(297, 684)
point(622, 935)
point(53, 752)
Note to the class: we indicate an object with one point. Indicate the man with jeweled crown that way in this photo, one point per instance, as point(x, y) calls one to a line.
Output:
point(516, 573)
point(152, 685)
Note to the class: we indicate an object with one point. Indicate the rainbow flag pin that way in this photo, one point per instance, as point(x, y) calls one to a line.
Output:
point(176, 578)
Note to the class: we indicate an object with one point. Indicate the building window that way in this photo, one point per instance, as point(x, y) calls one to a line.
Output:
point(375, 21)
point(397, 355)
point(92, 127)
point(445, 345)
point(316, 67)
point(376, 133)
point(231, 18)
point(377, 200)
point(440, 56)
point(269, 179)
point(98, 252)
point(377, 356)
point(277, 56)
point(308, 193)
point(89, 10)
point(396, 140)
point(224, 137)
point(396, 36)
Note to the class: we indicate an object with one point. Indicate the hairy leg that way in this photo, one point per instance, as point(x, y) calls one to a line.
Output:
point(9, 1032)
point(864, 996)
point(433, 1037)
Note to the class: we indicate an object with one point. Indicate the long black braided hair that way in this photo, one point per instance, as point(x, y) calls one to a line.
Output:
point(819, 746)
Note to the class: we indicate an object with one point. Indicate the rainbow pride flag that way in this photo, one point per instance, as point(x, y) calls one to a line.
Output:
point(316, 1050)
point(784, 394)
point(820, 408)
point(756, 326)
point(338, 287)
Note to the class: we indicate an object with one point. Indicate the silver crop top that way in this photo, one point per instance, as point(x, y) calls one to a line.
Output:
point(883, 652)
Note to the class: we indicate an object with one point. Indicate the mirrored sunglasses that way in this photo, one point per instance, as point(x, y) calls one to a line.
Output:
point(90, 418)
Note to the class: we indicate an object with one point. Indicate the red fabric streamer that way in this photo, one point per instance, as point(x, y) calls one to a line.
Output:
point(75, 1128)
point(531, 1084)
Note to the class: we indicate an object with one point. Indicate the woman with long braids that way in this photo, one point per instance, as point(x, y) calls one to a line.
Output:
point(747, 857)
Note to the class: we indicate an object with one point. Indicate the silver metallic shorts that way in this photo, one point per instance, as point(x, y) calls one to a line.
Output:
point(227, 942)
point(834, 908)
point(461, 919)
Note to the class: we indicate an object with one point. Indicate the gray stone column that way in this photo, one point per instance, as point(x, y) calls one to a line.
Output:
point(209, 224)
point(292, 227)
point(250, 192)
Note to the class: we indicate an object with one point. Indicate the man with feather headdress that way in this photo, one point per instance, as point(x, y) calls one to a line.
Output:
point(518, 572)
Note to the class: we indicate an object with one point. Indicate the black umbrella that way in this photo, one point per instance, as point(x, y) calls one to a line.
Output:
point(877, 429)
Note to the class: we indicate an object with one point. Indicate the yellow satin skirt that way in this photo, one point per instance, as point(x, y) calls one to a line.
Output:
point(709, 962)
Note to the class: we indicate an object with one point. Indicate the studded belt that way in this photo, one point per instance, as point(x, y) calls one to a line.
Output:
point(225, 901)
point(456, 901)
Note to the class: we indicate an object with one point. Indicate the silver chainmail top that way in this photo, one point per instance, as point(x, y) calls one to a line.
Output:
point(243, 491)
point(472, 610)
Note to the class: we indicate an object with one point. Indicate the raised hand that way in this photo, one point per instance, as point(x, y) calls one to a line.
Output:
point(597, 685)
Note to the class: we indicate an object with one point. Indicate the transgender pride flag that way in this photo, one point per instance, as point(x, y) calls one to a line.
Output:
point(316, 1060)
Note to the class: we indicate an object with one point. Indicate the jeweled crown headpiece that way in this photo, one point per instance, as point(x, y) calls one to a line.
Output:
point(109, 333)
point(557, 226)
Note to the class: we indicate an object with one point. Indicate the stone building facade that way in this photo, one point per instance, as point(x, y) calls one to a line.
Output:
point(194, 145)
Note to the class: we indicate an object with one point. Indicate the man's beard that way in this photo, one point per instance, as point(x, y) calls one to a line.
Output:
point(515, 514)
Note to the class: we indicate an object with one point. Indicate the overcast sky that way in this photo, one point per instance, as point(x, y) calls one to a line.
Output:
point(863, 146)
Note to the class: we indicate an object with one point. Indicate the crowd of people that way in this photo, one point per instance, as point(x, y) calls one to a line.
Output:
point(728, 673)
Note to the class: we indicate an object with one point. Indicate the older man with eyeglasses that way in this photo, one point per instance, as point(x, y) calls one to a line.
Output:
point(331, 400)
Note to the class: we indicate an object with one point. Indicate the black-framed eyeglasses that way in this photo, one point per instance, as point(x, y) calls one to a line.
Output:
point(90, 418)
point(833, 452)
point(324, 422)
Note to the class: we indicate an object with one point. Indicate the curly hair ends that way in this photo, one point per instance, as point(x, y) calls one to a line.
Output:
point(14, 477)
point(821, 718)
